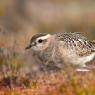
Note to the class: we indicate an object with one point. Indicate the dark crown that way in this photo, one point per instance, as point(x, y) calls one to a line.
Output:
point(37, 36)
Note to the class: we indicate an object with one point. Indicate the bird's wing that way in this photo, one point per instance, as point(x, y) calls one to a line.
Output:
point(92, 43)
point(79, 46)
point(77, 42)
point(84, 47)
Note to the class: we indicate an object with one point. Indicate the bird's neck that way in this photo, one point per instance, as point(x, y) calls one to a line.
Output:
point(46, 54)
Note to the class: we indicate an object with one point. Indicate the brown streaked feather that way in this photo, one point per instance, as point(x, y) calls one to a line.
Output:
point(77, 42)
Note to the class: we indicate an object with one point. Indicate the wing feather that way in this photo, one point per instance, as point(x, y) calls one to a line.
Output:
point(80, 44)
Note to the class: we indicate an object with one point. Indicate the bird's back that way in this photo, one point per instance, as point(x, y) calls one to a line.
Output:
point(76, 42)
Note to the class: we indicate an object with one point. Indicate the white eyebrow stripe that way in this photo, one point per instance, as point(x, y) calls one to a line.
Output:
point(44, 37)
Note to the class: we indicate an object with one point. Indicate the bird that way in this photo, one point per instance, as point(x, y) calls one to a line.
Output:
point(65, 47)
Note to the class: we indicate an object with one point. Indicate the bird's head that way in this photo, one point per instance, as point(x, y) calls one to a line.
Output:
point(39, 42)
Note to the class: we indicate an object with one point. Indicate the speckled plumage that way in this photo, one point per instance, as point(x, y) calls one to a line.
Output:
point(77, 42)
point(64, 47)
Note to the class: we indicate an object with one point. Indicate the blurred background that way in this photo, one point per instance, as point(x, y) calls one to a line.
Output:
point(20, 19)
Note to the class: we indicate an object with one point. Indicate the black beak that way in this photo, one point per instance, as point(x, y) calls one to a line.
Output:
point(28, 47)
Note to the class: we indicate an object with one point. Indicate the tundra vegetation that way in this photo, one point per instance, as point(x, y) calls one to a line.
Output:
point(20, 73)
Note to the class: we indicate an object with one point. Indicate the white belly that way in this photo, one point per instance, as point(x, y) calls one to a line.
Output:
point(80, 60)
point(71, 57)
point(86, 58)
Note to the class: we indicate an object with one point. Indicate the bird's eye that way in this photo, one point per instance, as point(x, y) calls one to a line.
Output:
point(40, 41)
